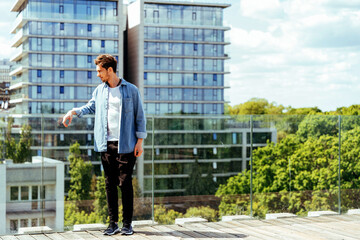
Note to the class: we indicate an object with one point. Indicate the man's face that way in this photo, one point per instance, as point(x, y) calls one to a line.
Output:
point(102, 73)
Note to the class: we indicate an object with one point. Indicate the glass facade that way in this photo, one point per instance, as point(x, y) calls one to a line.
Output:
point(59, 49)
point(183, 59)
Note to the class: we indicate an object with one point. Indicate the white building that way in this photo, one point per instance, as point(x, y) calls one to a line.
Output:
point(32, 194)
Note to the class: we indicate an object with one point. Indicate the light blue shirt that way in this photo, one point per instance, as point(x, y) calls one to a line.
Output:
point(132, 123)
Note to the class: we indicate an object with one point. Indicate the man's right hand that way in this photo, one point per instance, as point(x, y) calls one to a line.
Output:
point(69, 117)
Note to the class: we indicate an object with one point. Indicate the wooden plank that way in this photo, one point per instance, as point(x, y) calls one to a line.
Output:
point(330, 228)
point(24, 237)
point(167, 229)
point(55, 236)
point(9, 237)
point(152, 233)
point(100, 235)
point(85, 235)
point(308, 235)
point(71, 235)
point(249, 231)
point(39, 236)
point(203, 228)
point(325, 233)
point(348, 229)
point(286, 233)
point(186, 231)
point(233, 231)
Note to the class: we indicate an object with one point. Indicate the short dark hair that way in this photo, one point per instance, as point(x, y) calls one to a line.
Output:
point(106, 61)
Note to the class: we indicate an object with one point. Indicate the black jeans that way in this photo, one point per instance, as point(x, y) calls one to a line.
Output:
point(118, 170)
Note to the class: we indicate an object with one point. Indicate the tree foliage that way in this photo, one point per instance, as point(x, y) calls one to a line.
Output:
point(19, 151)
point(197, 185)
point(297, 174)
point(255, 106)
point(80, 173)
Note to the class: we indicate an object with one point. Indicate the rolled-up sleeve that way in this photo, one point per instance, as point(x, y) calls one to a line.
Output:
point(88, 108)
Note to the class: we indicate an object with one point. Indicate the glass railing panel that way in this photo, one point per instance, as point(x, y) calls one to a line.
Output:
point(22, 178)
point(193, 155)
point(296, 172)
point(350, 171)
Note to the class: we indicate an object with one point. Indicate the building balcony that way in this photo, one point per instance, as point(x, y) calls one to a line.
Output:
point(19, 53)
point(17, 69)
point(18, 39)
point(20, 21)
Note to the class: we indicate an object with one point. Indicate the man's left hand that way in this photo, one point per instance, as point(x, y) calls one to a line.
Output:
point(138, 148)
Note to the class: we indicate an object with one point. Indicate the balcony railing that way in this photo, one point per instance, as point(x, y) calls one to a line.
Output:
point(206, 166)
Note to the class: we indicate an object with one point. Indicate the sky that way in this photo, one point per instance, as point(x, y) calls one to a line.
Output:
point(299, 53)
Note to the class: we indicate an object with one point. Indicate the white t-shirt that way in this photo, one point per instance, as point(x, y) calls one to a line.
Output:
point(114, 113)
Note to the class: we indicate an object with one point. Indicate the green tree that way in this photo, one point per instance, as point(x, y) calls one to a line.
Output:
point(164, 216)
point(80, 173)
point(100, 203)
point(205, 212)
point(197, 185)
point(19, 152)
point(256, 106)
point(316, 126)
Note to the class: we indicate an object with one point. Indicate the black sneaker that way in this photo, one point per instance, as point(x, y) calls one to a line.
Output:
point(127, 230)
point(112, 229)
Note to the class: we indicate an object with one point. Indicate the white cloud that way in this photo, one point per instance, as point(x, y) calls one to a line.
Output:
point(260, 8)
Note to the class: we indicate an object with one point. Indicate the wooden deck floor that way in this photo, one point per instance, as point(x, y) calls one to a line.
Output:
point(329, 227)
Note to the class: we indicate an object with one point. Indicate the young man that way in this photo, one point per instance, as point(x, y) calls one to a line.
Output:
point(120, 127)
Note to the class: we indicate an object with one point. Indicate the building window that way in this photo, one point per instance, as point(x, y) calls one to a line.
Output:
point(194, 16)
point(195, 77)
point(61, 73)
point(169, 14)
point(38, 89)
point(62, 26)
point(39, 73)
point(102, 27)
point(89, 74)
point(102, 14)
point(24, 193)
point(214, 77)
point(195, 46)
point(14, 193)
point(88, 10)
point(145, 13)
point(89, 43)
point(145, 75)
point(115, 11)
point(89, 27)
point(34, 222)
point(39, 41)
point(61, 89)
point(13, 225)
point(24, 223)
point(89, 58)
point(234, 138)
point(62, 42)
point(157, 61)
point(102, 43)
point(61, 9)
point(156, 16)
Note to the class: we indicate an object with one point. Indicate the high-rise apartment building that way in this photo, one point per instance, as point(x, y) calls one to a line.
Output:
point(57, 41)
point(5, 79)
point(176, 55)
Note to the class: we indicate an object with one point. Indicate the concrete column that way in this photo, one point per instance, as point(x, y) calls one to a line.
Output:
point(3, 199)
point(59, 193)
point(244, 147)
